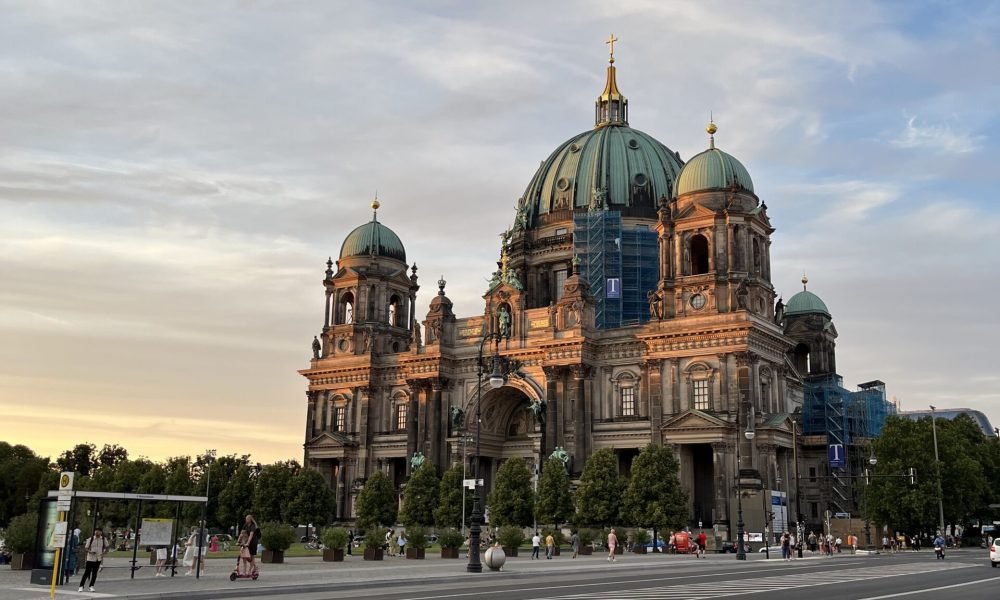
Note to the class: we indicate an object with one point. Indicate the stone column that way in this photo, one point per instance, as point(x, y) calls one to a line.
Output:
point(412, 420)
point(719, 402)
point(720, 469)
point(550, 434)
point(642, 401)
point(654, 369)
point(435, 425)
point(310, 415)
point(675, 384)
point(580, 429)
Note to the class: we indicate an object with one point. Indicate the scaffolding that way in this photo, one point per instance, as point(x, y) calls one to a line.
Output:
point(848, 419)
point(609, 252)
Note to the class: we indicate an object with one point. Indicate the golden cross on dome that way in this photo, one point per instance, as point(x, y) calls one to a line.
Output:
point(611, 42)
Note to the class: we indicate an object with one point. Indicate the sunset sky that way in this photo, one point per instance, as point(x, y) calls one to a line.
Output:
point(174, 175)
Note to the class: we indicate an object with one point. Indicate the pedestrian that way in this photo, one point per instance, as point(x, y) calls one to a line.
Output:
point(350, 540)
point(574, 540)
point(612, 544)
point(401, 540)
point(253, 540)
point(390, 545)
point(213, 546)
point(838, 543)
point(97, 546)
point(71, 554)
point(702, 544)
point(536, 543)
point(161, 561)
point(785, 546)
point(550, 546)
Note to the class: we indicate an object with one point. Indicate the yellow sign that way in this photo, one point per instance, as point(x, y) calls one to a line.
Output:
point(66, 481)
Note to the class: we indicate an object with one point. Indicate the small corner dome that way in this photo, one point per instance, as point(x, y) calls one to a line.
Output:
point(805, 303)
point(711, 170)
point(373, 239)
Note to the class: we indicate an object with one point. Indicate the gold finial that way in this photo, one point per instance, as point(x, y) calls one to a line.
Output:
point(805, 280)
point(611, 51)
point(375, 206)
point(711, 128)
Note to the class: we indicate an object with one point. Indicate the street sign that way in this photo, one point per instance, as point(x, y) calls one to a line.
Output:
point(613, 288)
point(63, 505)
point(472, 483)
point(66, 481)
point(842, 515)
point(58, 539)
point(835, 452)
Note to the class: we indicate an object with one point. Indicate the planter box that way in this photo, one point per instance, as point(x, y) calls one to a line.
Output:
point(449, 552)
point(586, 551)
point(639, 549)
point(415, 553)
point(619, 549)
point(21, 562)
point(509, 551)
point(333, 555)
point(273, 556)
point(374, 553)
point(555, 551)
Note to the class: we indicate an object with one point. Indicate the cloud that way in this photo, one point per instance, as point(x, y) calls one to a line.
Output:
point(939, 138)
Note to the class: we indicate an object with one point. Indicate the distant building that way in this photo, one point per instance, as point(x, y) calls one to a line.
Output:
point(951, 413)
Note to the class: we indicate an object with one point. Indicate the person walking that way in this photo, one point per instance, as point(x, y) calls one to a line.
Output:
point(71, 555)
point(401, 540)
point(612, 544)
point(550, 546)
point(97, 546)
point(785, 546)
point(702, 543)
point(536, 543)
point(253, 540)
point(574, 540)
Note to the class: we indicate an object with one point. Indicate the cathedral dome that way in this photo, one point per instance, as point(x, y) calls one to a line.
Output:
point(713, 169)
point(609, 167)
point(373, 239)
point(806, 302)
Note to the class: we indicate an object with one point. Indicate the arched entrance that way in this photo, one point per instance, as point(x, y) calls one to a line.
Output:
point(509, 430)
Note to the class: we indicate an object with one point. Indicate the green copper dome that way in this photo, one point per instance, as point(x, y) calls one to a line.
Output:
point(713, 169)
point(373, 239)
point(806, 302)
point(610, 167)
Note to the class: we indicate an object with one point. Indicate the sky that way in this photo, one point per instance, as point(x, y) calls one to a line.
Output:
point(174, 175)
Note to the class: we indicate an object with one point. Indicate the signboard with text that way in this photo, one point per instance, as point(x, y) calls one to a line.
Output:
point(835, 452)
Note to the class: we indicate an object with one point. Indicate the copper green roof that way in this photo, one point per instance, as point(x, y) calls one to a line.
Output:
point(619, 165)
point(373, 239)
point(713, 169)
point(806, 302)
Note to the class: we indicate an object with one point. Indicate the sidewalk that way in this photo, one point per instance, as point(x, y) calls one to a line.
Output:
point(311, 574)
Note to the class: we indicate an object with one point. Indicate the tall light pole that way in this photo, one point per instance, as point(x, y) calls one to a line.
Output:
point(937, 463)
point(868, 534)
point(209, 456)
point(749, 434)
point(496, 381)
point(465, 442)
point(799, 529)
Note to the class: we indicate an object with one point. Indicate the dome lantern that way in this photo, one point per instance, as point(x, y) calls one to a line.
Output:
point(611, 107)
point(713, 169)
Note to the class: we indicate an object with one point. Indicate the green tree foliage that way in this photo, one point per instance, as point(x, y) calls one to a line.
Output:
point(82, 459)
point(310, 499)
point(654, 497)
point(598, 498)
point(967, 459)
point(272, 490)
point(449, 510)
point(512, 498)
point(111, 455)
point(377, 503)
point(554, 503)
point(236, 498)
point(21, 471)
point(421, 496)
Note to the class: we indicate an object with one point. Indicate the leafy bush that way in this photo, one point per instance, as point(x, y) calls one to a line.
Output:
point(21, 533)
point(640, 536)
point(450, 538)
point(510, 536)
point(416, 537)
point(335, 538)
point(277, 536)
point(374, 538)
point(586, 536)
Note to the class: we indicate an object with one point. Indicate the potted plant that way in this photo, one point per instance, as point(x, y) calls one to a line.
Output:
point(586, 541)
point(335, 539)
point(416, 542)
point(510, 537)
point(276, 537)
point(374, 543)
point(640, 537)
point(450, 540)
point(21, 541)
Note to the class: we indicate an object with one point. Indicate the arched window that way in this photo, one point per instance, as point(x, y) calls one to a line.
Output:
point(699, 255)
point(371, 316)
point(400, 416)
point(395, 315)
point(756, 256)
point(699, 377)
point(801, 358)
point(345, 309)
point(626, 384)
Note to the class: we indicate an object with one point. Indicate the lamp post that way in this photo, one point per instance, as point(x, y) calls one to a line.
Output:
point(799, 529)
point(209, 456)
point(496, 381)
point(749, 434)
point(465, 442)
point(937, 463)
point(868, 534)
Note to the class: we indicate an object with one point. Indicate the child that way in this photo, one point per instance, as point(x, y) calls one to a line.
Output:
point(242, 566)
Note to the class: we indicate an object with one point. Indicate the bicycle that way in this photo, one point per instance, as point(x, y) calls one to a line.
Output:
point(314, 544)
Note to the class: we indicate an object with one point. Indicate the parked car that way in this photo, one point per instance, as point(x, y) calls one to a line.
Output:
point(995, 553)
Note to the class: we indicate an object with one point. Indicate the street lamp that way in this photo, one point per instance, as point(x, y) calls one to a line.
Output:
point(740, 550)
point(465, 442)
point(209, 456)
point(868, 534)
point(937, 463)
point(799, 529)
point(496, 382)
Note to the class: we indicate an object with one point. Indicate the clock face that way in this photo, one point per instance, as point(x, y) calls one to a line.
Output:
point(697, 301)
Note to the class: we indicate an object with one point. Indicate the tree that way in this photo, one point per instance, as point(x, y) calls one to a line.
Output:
point(598, 498)
point(554, 503)
point(377, 503)
point(449, 510)
point(111, 455)
point(272, 491)
point(80, 459)
point(21, 470)
point(512, 499)
point(236, 498)
point(421, 496)
point(310, 499)
point(654, 497)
